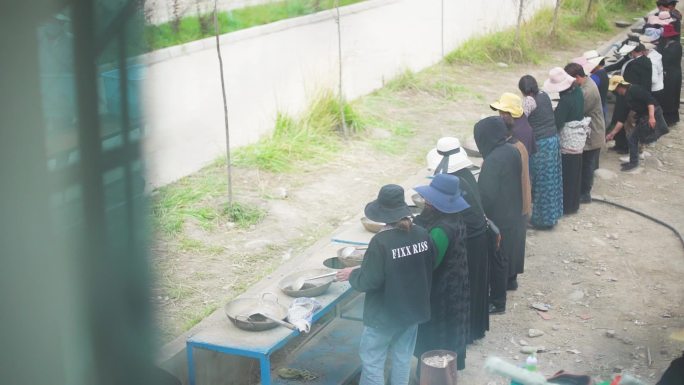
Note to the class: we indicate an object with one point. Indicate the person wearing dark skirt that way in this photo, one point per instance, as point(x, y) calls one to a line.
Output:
point(573, 129)
point(671, 49)
point(448, 326)
point(593, 109)
point(501, 192)
point(449, 157)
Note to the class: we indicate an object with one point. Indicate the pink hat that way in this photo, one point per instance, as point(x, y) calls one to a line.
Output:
point(558, 81)
point(586, 65)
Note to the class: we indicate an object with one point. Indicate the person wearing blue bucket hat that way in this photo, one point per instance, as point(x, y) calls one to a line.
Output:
point(449, 325)
point(449, 154)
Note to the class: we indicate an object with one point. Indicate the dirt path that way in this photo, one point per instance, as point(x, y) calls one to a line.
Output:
point(601, 269)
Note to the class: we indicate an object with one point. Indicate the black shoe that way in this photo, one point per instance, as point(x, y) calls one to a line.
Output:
point(629, 166)
point(512, 285)
point(496, 310)
point(585, 198)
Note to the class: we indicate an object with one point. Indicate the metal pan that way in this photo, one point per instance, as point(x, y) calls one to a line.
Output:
point(245, 313)
point(310, 289)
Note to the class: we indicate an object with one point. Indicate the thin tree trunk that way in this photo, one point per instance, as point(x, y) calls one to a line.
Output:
point(556, 10)
point(345, 130)
point(590, 15)
point(225, 107)
point(519, 23)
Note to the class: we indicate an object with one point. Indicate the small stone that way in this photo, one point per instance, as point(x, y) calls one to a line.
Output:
point(539, 294)
point(555, 327)
point(502, 65)
point(576, 295)
point(565, 261)
point(610, 333)
point(604, 174)
point(597, 273)
point(523, 343)
point(540, 306)
point(281, 193)
point(627, 341)
point(611, 279)
point(532, 349)
point(230, 225)
point(613, 236)
point(574, 351)
point(575, 228)
point(666, 315)
point(516, 357)
point(533, 333)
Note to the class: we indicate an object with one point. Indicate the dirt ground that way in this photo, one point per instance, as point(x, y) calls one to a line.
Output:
point(611, 278)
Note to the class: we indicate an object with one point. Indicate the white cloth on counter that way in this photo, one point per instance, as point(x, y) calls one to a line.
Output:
point(301, 312)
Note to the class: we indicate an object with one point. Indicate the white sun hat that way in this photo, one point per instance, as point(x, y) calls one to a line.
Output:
point(451, 148)
point(593, 57)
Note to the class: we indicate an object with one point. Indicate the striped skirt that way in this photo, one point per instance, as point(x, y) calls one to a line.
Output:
point(547, 183)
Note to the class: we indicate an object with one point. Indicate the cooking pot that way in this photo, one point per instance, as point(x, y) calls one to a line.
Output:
point(246, 313)
point(311, 288)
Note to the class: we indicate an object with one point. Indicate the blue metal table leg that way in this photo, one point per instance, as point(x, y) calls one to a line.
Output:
point(265, 364)
point(191, 364)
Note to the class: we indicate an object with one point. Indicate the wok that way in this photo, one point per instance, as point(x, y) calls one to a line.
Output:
point(310, 289)
point(353, 259)
point(246, 313)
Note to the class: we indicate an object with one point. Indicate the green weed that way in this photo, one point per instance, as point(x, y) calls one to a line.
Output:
point(244, 216)
point(574, 24)
point(194, 27)
point(190, 245)
point(313, 137)
point(197, 317)
point(192, 198)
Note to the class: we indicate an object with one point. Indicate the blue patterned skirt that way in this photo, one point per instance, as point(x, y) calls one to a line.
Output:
point(547, 183)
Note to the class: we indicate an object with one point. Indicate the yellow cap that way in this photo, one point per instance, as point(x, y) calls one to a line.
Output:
point(616, 81)
point(510, 103)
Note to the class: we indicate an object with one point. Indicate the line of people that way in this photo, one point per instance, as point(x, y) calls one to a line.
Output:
point(432, 281)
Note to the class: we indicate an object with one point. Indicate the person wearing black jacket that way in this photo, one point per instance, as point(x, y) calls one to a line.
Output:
point(500, 185)
point(396, 275)
point(671, 49)
point(449, 157)
point(650, 123)
point(635, 68)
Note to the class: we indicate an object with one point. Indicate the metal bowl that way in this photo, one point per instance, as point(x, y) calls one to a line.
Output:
point(334, 263)
point(418, 200)
point(310, 289)
point(373, 227)
point(353, 259)
point(243, 312)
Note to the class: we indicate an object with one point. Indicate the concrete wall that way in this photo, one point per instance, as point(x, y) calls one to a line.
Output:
point(280, 66)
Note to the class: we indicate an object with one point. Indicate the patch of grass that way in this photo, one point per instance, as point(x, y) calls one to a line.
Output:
point(196, 27)
point(190, 245)
point(197, 317)
point(244, 216)
point(535, 35)
point(313, 137)
point(428, 81)
point(192, 198)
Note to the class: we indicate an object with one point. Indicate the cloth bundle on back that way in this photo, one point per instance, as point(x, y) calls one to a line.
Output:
point(448, 328)
point(501, 193)
point(452, 157)
point(573, 130)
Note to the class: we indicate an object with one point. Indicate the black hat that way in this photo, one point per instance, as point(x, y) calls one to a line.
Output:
point(640, 48)
point(390, 207)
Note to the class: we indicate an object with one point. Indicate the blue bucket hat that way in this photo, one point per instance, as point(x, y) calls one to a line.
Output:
point(444, 194)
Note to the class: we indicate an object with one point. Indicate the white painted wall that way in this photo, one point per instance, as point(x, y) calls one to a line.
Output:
point(280, 66)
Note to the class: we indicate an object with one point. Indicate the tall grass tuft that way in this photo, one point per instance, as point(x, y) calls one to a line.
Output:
point(314, 136)
point(535, 39)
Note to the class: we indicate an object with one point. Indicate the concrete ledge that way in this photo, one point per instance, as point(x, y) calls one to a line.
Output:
point(261, 30)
